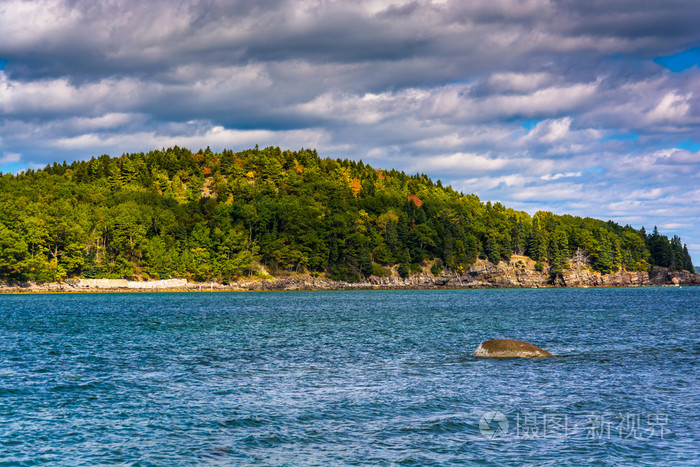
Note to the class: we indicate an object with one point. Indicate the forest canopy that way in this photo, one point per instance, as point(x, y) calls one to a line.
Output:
point(222, 216)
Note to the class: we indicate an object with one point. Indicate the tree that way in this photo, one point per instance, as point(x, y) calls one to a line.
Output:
point(424, 235)
point(13, 252)
point(493, 252)
point(687, 260)
point(172, 213)
point(660, 249)
point(677, 254)
point(437, 267)
point(558, 253)
point(537, 242)
point(404, 264)
point(604, 257)
point(365, 262)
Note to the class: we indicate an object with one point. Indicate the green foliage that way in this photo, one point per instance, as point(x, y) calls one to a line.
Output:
point(405, 265)
point(203, 216)
point(437, 267)
point(380, 271)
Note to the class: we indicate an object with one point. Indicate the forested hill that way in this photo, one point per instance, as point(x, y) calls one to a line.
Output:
point(202, 216)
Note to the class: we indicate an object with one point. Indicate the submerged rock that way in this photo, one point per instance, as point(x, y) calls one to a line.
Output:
point(509, 348)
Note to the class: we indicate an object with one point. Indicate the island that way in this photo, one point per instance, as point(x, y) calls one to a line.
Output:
point(268, 219)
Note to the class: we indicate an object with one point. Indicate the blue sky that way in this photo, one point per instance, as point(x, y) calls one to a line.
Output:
point(588, 108)
point(681, 61)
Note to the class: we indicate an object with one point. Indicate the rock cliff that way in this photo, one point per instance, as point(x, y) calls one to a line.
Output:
point(519, 272)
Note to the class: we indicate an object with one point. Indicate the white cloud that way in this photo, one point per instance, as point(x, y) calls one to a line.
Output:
point(672, 107)
point(59, 95)
point(214, 136)
point(551, 192)
point(557, 176)
point(538, 104)
point(45, 17)
point(549, 131)
point(674, 226)
point(459, 163)
point(10, 157)
point(520, 82)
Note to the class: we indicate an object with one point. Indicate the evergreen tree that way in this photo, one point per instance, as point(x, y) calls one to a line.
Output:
point(365, 262)
point(604, 257)
point(558, 253)
point(404, 264)
point(687, 260)
point(493, 252)
point(677, 256)
point(172, 213)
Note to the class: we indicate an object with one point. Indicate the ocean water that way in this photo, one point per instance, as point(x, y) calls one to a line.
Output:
point(343, 378)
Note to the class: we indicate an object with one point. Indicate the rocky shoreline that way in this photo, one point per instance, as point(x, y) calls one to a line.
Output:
point(519, 272)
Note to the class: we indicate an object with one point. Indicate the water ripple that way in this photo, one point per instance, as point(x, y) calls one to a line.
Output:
point(349, 378)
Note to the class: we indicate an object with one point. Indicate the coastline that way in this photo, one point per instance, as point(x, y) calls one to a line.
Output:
point(519, 272)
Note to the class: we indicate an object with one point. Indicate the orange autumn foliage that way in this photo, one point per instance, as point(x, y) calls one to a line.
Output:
point(416, 200)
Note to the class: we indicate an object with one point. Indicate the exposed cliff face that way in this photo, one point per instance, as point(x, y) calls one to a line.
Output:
point(519, 272)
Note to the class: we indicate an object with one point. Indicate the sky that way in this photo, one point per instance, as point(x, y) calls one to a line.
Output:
point(590, 108)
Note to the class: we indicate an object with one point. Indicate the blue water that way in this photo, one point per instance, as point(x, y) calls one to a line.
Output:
point(377, 377)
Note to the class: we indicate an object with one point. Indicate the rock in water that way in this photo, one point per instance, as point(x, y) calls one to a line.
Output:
point(509, 348)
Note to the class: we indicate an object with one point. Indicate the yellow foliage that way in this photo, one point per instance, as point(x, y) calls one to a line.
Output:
point(362, 221)
point(345, 174)
point(386, 218)
point(355, 186)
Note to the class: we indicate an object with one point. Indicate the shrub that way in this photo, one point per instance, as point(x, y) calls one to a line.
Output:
point(380, 271)
point(437, 267)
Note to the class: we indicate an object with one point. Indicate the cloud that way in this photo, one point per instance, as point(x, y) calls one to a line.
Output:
point(9, 157)
point(217, 137)
point(518, 82)
point(671, 107)
point(459, 162)
point(557, 176)
point(559, 105)
point(550, 131)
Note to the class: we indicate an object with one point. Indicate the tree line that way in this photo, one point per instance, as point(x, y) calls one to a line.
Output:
point(225, 216)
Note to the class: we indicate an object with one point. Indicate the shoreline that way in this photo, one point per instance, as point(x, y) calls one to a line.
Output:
point(38, 291)
point(483, 275)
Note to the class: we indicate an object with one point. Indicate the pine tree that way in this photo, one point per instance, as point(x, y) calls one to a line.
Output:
point(493, 252)
point(677, 256)
point(471, 249)
point(518, 238)
point(405, 263)
point(558, 252)
point(365, 262)
point(604, 259)
point(687, 260)
point(659, 249)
